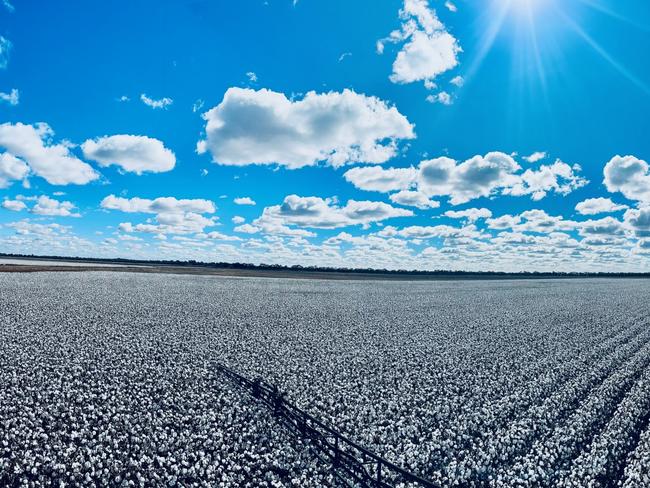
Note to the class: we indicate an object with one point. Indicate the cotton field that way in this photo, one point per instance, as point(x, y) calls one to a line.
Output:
point(109, 379)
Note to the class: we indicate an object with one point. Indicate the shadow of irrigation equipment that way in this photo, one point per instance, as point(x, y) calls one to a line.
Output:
point(352, 464)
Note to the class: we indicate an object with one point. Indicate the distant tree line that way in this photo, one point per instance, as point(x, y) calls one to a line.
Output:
point(325, 269)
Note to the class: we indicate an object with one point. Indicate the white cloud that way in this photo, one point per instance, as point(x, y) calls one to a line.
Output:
point(273, 228)
point(265, 127)
point(428, 48)
point(558, 177)
point(471, 214)
point(172, 215)
point(221, 237)
point(247, 229)
point(607, 226)
point(450, 6)
point(638, 220)
point(198, 105)
point(54, 208)
point(477, 177)
point(480, 176)
point(413, 199)
point(536, 157)
point(53, 162)
point(432, 231)
point(343, 56)
point(25, 227)
point(457, 81)
point(629, 176)
point(376, 178)
point(244, 201)
point(252, 77)
point(159, 205)
point(593, 206)
point(11, 169)
point(156, 104)
point(504, 222)
point(124, 99)
point(12, 98)
point(323, 213)
point(14, 205)
point(136, 154)
point(5, 49)
point(534, 220)
point(238, 219)
point(442, 97)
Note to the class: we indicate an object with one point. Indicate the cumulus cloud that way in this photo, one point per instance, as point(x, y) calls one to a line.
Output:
point(413, 199)
point(26, 227)
point(265, 127)
point(11, 169)
point(427, 50)
point(477, 177)
point(12, 98)
point(158, 205)
point(558, 177)
point(136, 154)
point(638, 220)
point(5, 49)
point(593, 206)
point(607, 226)
point(220, 237)
point(376, 178)
point(53, 208)
point(238, 219)
point(274, 228)
point(629, 176)
point(161, 103)
point(53, 162)
point(432, 231)
point(14, 205)
point(536, 157)
point(324, 213)
point(443, 97)
point(451, 6)
point(480, 176)
point(172, 215)
point(471, 214)
point(535, 220)
point(244, 201)
point(457, 81)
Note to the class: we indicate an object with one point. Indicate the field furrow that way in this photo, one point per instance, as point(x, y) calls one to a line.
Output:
point(549, 456)
point(602, 463)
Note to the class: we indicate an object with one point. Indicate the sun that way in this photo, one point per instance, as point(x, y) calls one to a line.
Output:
point(537, 31)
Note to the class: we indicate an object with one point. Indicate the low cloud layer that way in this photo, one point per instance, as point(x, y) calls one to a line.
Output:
point(480, 176)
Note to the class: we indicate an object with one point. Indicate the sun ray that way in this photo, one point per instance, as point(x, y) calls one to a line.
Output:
point(487, 40)
point(603, 53)
point(594, 4)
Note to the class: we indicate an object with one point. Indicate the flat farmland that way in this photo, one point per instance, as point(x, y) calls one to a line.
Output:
point(110, 378)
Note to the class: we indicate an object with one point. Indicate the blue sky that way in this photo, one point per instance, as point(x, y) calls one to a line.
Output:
point(505, 134)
